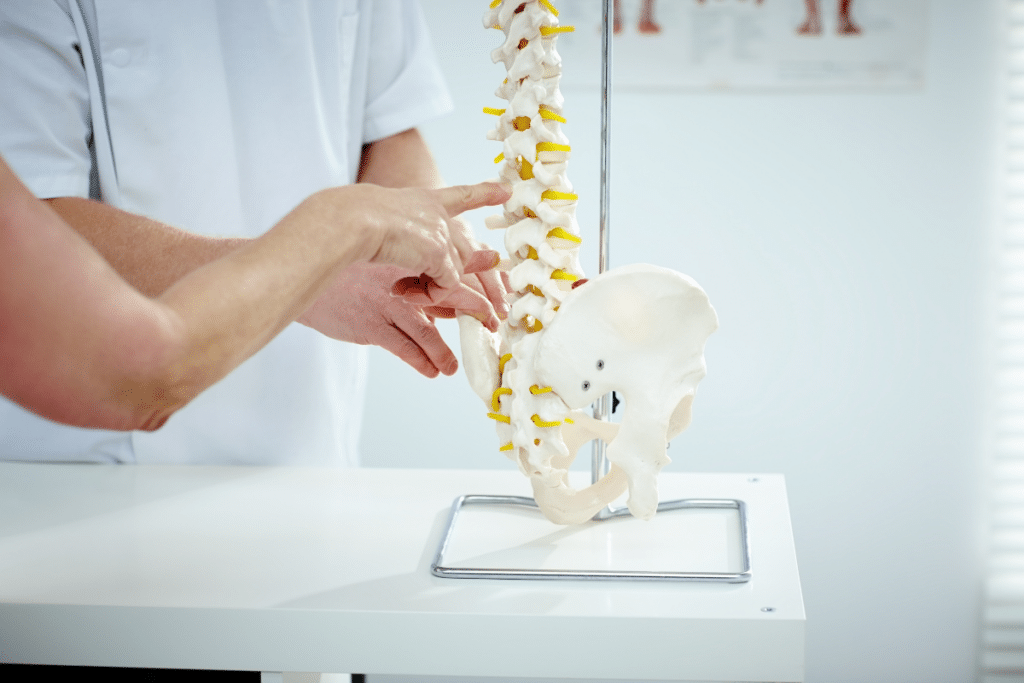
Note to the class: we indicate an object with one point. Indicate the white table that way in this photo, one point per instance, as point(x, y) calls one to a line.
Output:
point(307, 569)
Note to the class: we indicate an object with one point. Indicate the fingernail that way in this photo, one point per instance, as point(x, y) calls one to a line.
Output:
point(503, 310)
point(505, 185)
point(488, 321)
point(497, 260)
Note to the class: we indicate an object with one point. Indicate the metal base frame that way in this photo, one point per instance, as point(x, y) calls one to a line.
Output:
point(438, 567)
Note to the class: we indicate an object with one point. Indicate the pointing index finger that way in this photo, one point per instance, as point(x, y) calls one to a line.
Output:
point(459, 198)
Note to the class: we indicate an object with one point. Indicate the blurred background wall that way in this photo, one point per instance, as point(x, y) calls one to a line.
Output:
point(845, 239)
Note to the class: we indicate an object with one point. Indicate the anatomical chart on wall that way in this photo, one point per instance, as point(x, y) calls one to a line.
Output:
point(751, 44)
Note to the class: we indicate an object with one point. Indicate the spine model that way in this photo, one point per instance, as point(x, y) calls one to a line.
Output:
point(638, 330)
point(541, 234)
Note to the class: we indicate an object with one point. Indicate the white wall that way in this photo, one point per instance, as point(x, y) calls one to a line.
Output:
point(843, 239)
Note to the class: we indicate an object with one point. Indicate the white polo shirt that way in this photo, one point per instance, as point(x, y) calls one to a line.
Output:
point(217, 117)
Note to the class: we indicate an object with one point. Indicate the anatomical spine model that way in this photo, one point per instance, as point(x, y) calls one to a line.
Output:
point(639, 330)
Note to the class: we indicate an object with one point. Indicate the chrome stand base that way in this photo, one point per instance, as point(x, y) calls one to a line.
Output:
point(440, 569)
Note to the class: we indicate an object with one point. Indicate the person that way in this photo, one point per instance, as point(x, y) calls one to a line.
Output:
point(220, 118)
point(645, 23)
point(811, 25)
point(79, 345)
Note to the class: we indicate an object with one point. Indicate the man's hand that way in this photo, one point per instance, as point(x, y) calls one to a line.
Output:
point(395, 309)
point(479, 273)
point(386, 307)
point(493, 284)
point(360, 308)
point(416, 229)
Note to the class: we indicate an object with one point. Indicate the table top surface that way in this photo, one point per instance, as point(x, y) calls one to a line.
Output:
point(328, 557)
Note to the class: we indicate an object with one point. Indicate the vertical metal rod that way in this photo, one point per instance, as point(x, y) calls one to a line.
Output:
point(606, 148)
point(599, 463)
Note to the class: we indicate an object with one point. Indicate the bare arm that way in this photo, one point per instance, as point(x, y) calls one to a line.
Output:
point(150, 255)
point(78, 345)
point(402, 160)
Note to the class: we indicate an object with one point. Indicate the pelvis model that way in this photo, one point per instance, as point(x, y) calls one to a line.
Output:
point(638, 330)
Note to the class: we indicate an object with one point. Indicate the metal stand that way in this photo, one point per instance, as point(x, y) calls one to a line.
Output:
point(438, 567)
point(599, 460)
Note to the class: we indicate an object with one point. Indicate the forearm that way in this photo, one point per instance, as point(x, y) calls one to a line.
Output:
point(80, 346)
point(148, 254)
point(232, 307)
point(225, 311)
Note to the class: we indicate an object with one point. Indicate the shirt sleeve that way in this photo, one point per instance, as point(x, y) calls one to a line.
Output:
point(45, 126)
point(405, 87)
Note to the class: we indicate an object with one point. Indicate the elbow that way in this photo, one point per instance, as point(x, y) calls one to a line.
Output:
point(155, 381)
point(153, 398)
point(153, 421)
point(127, 405)
point(145, 401)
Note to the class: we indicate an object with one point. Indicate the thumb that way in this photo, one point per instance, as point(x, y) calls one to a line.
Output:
point(459, 198)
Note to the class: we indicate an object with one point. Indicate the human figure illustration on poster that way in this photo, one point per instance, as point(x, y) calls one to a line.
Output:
point(844, 24)
point(645, 23)
point(811, 26)
point(729, 44)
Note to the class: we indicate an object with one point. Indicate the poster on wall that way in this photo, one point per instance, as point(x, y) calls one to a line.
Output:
point(750, 44)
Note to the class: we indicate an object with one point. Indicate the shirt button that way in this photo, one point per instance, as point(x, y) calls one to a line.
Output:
point(120, 57)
